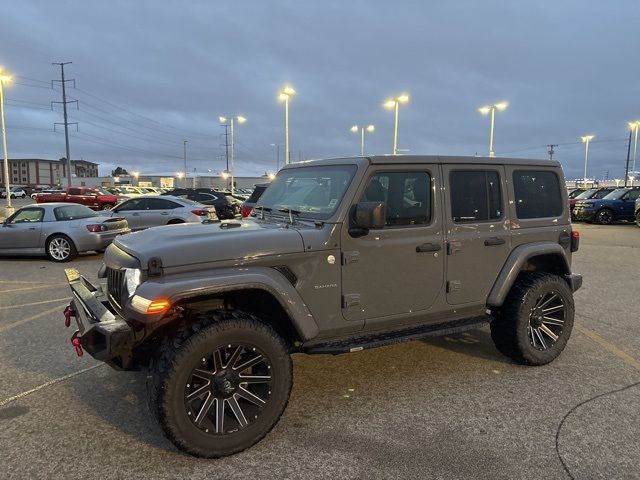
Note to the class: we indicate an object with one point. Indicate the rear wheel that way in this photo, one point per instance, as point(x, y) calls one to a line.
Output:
point(24, 195)
point(536, 319)
point(220, 385)
point(61, 248)
point(604, 217)
point(638, 218)
point(107, 206)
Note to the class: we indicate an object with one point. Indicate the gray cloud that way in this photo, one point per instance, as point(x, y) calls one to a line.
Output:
point(567, 69)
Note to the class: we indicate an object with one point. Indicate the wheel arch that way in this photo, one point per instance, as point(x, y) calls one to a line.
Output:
point(260, 291)
point(540, 257)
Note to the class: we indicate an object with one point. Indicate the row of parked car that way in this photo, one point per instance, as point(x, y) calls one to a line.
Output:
point(605, 205)
point(63, 224)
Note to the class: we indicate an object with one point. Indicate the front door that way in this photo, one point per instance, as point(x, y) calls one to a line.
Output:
point(130, 210)
point(478, 235)
point(23, 230)
point(399, 269)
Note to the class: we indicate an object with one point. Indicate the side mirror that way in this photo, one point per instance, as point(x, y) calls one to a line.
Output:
point(368, 216)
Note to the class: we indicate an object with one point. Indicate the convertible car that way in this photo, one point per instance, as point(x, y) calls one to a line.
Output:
point(58, 230)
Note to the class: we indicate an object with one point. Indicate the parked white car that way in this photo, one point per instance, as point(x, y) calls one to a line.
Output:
point(16, 192)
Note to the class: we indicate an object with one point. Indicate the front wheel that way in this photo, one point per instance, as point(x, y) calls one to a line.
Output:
point(107, 206)
point(536, 319)
point(638, 218)
point(604, 217)
point(220, 385)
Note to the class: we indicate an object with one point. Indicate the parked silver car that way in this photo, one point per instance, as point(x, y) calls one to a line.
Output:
point(59, 230)
point(147, 211)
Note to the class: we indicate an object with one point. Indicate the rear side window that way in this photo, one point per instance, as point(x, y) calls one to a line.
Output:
point(537, 194)
point(475, 196)
point(407, 197)
point(74, 191)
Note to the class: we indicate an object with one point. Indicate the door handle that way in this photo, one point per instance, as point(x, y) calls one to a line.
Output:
point(164, 213)
point(428, 247)
point(489, 242)
point(135, 214)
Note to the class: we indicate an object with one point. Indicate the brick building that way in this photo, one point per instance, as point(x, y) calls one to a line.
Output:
point(38, 171)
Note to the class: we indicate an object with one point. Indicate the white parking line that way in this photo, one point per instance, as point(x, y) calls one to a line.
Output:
point(36, 303)
point(57, 308)
point(7, 401)
point(22, 289)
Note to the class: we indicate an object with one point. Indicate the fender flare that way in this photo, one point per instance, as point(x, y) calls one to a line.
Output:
point(183, 286)
point(512, 267)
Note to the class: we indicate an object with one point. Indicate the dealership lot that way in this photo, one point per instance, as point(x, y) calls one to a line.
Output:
point(451, 407)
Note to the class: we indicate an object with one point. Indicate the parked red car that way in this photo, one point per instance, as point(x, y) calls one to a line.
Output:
point(94, 198)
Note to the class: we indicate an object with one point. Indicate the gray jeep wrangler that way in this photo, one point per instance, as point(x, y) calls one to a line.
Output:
point(338, 256)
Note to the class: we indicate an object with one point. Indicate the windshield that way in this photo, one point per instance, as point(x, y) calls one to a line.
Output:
point(73, 212)
point(576, 193)
point(602, 193)
point(101, 191)
point(616, 194)
point(315, 192)
point(586, 194)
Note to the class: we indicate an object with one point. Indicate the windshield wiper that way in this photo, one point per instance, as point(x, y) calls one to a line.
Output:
point(262, 210)
point(291, 213)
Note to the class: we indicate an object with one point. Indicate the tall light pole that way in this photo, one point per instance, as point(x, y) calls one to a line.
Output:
point(184, 154)
point(286, 93)
point(4, 78)
point(394, 104)
point(231, 122)
point(586, 139)
point(356, 129)
point(491, 109)
point(634, 126)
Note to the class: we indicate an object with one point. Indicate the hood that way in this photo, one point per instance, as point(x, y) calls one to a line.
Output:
point(189, 243)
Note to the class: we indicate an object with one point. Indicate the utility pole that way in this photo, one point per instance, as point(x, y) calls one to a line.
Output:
point(184, 146)
point(66, 123)
point(550, 150)
point(226, 143)
point(626, 170)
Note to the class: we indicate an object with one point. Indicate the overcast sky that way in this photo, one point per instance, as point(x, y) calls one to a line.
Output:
point(152, 73)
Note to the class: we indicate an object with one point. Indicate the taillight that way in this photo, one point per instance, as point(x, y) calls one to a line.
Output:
point(200, 213)
point(245, 211)
point(97, 227)
point(575, 240)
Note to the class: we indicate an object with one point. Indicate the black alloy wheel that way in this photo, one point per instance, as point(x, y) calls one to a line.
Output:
point(604, 216)
point(229, 389)
point(546, 320)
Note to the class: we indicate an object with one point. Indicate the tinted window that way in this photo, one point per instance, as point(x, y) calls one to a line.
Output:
point(74, 191)
point(407, 196)
point(537, 194)
point(73, 212)
point(134, 204)
point(475, 196)
point(601, 193)
point(28, 215)
point(632, 195)
point(161, 204)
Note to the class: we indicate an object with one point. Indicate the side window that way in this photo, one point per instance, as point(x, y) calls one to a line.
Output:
point(633, 194)
point(475, 196)
point(407, 196)
point(160, 204)
point(537, 194)
point(74, 191)
point(134, 204)
point(28, 215)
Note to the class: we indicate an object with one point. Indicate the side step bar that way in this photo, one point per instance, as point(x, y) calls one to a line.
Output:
point(357, 343)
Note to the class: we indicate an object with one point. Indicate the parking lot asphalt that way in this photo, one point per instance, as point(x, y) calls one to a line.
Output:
point(450, 407)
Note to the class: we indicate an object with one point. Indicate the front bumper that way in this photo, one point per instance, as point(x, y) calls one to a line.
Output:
point(102, 332)
point(583, 215)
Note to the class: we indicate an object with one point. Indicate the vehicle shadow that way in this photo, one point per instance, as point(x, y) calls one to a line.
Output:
point(475, 343)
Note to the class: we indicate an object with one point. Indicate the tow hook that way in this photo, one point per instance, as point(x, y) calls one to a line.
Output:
point(68, 313)
point(75, 341)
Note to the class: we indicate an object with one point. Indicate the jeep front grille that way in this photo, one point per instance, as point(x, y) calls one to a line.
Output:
point(115, 285)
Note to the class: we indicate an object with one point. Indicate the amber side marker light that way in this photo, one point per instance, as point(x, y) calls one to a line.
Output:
point(158, 306)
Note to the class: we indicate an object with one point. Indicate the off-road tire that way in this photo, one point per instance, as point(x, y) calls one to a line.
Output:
point(510, 328)
point(62, 239)
point(604, 216)
point(171, 367)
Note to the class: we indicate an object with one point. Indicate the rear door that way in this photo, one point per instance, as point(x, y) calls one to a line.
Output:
point(397, 270)
point(156, 211)
point(478, 236)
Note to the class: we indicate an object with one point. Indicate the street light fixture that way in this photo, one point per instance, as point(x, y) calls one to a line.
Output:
point(136, 175)
point(230, 120)
point(285, 94)
point(491, 109)
point(393, 103)
point(634, 126)
point(5, 78)
point(356, 129)
point(586, 139)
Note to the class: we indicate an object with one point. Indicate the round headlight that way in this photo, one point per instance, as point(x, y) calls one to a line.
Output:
point(132, 277)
